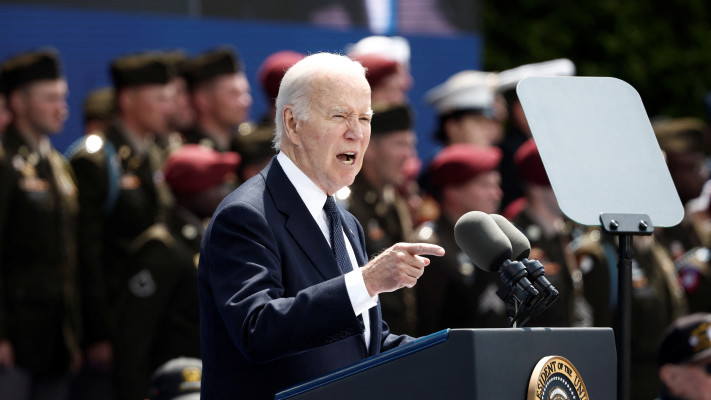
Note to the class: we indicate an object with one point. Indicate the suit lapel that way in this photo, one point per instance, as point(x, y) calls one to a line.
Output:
point(299, 222)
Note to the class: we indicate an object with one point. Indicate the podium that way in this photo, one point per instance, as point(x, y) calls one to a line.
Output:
point(470, 364)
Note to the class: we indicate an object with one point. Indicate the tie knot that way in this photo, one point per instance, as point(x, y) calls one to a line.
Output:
point(330, 206)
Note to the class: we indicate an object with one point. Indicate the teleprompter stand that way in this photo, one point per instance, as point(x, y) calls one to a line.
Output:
point(606, 169)
point(625, 226)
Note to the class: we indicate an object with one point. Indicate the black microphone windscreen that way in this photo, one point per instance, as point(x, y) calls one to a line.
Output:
point(482, 240)
point(520, 246)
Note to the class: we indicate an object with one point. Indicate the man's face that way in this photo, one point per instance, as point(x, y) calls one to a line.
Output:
point(183, 115)
point(386, 156)
point(483, 193)
point(690, 381)
point(230, 99)
point(150, 106)
point(329, 146)
point(43, 105)
point(475, 129)
point(393, 89)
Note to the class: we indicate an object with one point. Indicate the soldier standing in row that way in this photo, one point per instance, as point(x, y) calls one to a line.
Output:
point(221, 96)
point(160, 317)
point(39, 314)
point(454, 293)
point(376, 203)
point(117, 175)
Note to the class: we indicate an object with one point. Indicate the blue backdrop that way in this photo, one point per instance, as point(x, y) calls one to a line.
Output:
point(89, 40)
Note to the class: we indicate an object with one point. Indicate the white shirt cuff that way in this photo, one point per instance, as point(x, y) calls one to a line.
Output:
point(358, 293)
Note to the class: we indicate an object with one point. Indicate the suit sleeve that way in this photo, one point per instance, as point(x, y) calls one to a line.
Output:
point(247, 269)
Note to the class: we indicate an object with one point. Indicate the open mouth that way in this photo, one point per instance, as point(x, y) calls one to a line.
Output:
point(347, 158)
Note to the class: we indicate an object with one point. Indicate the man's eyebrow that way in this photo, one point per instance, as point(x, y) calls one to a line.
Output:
point(369, 113)
point(339, 110)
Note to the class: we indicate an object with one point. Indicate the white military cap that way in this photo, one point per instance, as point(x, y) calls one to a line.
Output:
point(395, 48)
point(511, 77)
point(465, 90)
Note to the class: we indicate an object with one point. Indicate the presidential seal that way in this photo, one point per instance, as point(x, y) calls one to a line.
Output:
point(555, 378)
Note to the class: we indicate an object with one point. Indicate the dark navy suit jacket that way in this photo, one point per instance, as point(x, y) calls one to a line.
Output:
point(274, 309)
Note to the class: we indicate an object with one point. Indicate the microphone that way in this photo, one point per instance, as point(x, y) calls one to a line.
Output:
point(521, 249)
point(489, 249)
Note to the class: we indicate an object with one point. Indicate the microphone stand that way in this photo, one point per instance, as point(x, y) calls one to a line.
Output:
point(625, 226)
point(517, 292)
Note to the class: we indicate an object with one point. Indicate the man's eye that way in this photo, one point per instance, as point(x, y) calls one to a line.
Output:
point(339, 116)
point(365, 119)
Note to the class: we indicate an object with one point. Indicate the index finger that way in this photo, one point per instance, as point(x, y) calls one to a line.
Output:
point(419, 249)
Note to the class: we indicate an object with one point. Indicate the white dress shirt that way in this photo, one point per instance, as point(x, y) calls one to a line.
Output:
point(315, 198)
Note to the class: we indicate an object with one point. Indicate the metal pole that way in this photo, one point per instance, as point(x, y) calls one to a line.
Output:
point(624, 333)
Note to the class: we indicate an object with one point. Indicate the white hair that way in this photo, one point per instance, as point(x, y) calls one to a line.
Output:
point(297, 85)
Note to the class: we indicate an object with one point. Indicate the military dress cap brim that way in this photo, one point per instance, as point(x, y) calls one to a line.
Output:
point(148, 68)
point(392, 119)
point(211, 64)
point(687, 339)
point(395, 48)
point(177, 379)
point(28, 67)
point(509, 78)
point(465, 90)
point(459, 163)
point(681, 135)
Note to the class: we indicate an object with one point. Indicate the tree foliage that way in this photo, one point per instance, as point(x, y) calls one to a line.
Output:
point(662, 48)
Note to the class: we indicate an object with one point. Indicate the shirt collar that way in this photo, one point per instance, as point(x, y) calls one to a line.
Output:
point(310, 193)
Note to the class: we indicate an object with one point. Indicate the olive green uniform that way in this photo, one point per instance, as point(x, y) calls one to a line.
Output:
point(385, 220)
point(118, 200)
point(39, 311)
point(657, 299)
point(160, 314)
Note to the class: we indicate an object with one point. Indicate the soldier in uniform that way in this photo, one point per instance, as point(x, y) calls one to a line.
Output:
point(39, 306)
point(685, 358)
point(254, 143)
point(454, 293)
point(160, 317)
point(221, 96)
point(118, 177)
point(572, 255)
point(518, 131)
point(376, 203)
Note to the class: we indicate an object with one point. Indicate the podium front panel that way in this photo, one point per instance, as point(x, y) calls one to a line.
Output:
point(475, 364)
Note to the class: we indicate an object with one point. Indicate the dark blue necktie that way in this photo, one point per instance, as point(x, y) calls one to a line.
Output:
point(338, 245)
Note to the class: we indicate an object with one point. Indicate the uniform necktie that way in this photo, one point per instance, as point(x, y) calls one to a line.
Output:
point(338, 245)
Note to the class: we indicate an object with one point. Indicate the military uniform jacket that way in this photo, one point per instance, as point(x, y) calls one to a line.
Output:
point(560, 267)
point(453, 293)
point(107, 167)
point(160, 314)
point(385, 223)
point(38, 304)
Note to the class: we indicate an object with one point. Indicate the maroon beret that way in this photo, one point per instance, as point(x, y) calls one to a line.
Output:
point(378, 67)
point(272, 71)
point(193, 168)
point(529, 164)
point(458, 163)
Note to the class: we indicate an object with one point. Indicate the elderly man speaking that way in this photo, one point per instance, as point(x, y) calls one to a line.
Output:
point(286, 291)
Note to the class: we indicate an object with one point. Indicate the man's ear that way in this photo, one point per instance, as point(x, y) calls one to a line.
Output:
point(17, 101)
point(668, 374)
point(291, 125)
